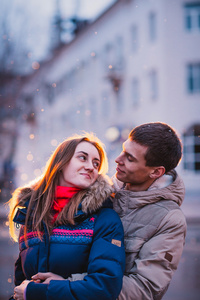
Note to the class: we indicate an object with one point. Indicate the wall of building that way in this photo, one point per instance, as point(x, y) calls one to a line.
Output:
point(102, 82)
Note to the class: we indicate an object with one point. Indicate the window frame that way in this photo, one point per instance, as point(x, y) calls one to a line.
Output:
point(152, 24)
point(191, 149)
point(153, 84)
point(192, 17)
point(135, 91)
point(193, 78)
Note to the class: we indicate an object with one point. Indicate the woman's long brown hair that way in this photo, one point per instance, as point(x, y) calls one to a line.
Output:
point(41, 191)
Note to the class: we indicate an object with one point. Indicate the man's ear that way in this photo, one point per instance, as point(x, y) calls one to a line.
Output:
point(157, 172)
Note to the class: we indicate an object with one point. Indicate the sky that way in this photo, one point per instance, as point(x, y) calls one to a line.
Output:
point(82, 8)
point(88, 8)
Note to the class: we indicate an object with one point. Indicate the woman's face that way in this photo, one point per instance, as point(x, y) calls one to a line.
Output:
point(83, 168)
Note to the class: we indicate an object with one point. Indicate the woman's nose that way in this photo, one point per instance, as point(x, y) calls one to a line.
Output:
point(89, 165)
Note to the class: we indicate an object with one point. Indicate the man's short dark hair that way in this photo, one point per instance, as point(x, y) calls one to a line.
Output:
point(164, 146)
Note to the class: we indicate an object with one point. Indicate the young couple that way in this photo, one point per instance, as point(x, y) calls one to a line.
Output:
point(78, 241)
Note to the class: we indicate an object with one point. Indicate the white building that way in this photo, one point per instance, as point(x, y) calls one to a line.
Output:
point(138, 62)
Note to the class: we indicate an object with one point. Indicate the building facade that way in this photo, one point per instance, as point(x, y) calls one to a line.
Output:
point(138, 62)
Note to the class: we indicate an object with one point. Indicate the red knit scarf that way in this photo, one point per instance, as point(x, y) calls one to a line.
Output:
point(62, 196)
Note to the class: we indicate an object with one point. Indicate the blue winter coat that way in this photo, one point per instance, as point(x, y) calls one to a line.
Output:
point(93, 245)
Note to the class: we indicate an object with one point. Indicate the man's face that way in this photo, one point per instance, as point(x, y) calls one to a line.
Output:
point(131, 167)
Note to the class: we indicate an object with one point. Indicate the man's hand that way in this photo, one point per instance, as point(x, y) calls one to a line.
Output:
point(46, 277)
point(19, 290)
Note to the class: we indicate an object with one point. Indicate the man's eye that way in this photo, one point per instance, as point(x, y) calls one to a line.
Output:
point(130, 158)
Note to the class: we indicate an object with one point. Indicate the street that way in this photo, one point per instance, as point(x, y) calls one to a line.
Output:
point(185, 284)
point(8, 255)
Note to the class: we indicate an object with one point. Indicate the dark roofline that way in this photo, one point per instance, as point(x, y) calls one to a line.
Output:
point(63, 47)
point(57, 52)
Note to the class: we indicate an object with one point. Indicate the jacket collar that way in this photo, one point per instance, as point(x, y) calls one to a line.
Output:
point(175, 191)
point(94, 199)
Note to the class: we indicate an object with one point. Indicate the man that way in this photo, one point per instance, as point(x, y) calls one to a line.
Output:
point(149, 207)
point(147, 201)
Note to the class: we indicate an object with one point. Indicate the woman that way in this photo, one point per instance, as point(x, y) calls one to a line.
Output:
point(67, 228)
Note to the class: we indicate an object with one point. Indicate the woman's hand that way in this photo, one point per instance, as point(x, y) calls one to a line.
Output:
point(19, 290)
point(46, 277)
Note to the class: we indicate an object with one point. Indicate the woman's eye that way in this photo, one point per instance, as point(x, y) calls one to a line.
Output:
point(82, 157)
point(96, 165)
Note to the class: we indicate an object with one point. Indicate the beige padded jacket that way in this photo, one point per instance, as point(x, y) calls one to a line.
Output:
point(155, 230)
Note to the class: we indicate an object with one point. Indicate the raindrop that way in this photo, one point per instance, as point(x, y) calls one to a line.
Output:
point(24, 177)
point(29, 157)
point(35, 65)
point(112, 134)
point(88, 112)
point(54, 142)
point(37, 172)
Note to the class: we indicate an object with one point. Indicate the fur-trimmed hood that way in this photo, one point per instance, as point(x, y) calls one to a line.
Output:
point(93, 199)
point(97, 194)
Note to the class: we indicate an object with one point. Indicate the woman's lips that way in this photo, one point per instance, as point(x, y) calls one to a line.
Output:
point(86, 175)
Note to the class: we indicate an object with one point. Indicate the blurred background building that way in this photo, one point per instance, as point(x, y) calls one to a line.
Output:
point(137, 61)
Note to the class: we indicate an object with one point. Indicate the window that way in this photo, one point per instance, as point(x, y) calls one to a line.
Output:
point(105, 105)
point(193, 78)
point(153, 83)
point(119, 53)
point(109, 55)
point(119, 101)
point(92, 112)
point(135, 91)
point(29, 109)
point(114, 54)
point(134, 38)
point(191, 148)
point(50, 93)
point(192, 16)
point(152, 27)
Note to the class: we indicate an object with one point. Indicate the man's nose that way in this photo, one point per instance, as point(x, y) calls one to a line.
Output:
point(118, 160)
